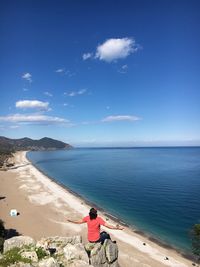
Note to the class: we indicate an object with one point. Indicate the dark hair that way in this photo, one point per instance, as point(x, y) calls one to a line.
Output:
point(93, 213)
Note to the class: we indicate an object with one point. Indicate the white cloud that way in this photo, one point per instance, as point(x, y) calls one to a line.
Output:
point(72, 94)
point(87, 56)
point(27, 76)
point(82, 91)
point(76, 93)
point(120, 118)
point(114, 49)
point(33, 118)
point(68, 105)
point(33, 104)
point(4, 127)
point(123, 69)
point(14, 126)
point(60, 70)
point(65, 72)
point(69, 73)
point(48, 94)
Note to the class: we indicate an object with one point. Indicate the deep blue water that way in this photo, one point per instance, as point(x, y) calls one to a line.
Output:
point(155, 189)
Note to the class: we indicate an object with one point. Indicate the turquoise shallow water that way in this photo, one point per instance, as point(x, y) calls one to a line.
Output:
point(155, 189)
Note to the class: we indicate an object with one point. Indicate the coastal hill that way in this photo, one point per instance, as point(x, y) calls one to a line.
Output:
point(9, 146)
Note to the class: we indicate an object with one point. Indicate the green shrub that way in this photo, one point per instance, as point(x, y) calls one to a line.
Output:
point(12, 256)
point(28, 248)
point(41, 253)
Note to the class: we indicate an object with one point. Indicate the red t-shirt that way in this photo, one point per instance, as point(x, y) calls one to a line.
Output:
point(94, 227)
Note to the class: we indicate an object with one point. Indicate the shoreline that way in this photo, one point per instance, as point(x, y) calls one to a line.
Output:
point(115, 219)
point(153, 252)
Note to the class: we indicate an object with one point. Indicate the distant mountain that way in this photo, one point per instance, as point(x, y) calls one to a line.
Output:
point(11, 145)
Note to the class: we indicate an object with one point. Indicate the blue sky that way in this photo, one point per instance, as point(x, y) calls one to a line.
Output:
point(101, 73)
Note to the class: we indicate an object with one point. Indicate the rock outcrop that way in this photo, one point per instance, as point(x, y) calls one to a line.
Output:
point(18, 241)
point(105, 255)
point(23, 251)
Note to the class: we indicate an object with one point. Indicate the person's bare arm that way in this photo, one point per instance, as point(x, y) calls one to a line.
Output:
point(77, 222)
point(117, 227)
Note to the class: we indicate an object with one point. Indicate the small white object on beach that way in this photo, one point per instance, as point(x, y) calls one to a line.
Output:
point(13, 212)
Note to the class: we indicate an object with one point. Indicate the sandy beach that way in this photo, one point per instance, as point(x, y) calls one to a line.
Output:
point(44, 207)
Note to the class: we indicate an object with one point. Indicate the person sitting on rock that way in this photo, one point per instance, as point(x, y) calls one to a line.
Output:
point(94, 223)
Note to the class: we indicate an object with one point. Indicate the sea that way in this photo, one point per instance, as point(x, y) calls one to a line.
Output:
point(153, 190)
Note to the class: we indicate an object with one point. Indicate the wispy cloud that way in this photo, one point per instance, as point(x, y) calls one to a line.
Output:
point(27, 76)
point(123, 69)
point(33, 118)
point(14, 126)
point(114, 49)
point(32, 104)
point(64, 72)
point(5, 127)
point(120, 118)
point(48, 94)
point(87, 56)
point(68, 105)
point(69, 73)
point(113, 118)
point(76, 93)
point(60, 70)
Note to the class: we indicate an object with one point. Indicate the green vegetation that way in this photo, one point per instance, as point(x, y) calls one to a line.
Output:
point(11, 257)
point(14, 255)
point(41, 253)
point(195, 234)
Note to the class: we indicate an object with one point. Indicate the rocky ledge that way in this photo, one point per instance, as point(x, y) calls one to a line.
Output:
point(23, 251)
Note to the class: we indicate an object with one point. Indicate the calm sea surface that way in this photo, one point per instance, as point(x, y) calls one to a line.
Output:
point(155, 189)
